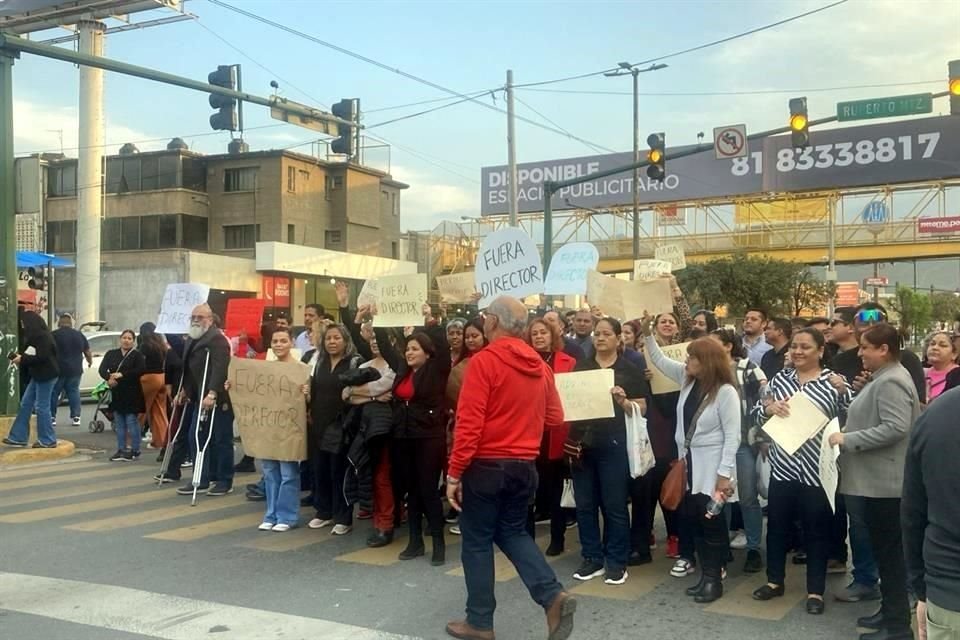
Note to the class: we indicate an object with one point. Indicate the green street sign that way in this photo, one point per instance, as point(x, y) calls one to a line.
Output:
point(911, 105)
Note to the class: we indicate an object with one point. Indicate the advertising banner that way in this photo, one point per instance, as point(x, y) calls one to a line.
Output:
point(873, 154)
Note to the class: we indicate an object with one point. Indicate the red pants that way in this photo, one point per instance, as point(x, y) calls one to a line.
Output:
point(383, 502)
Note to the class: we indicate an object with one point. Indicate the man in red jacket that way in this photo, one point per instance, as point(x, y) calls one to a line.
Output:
point(508, 397)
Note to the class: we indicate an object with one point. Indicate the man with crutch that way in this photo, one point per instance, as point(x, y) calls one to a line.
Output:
point(206, 409)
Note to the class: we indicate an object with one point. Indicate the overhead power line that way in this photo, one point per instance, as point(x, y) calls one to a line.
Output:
point(592, 146)
point(753, 92)
point(386, 67)
point(674, 54)
point(420, 113)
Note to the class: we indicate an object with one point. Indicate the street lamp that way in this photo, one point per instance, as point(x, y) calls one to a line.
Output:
point(630, 69)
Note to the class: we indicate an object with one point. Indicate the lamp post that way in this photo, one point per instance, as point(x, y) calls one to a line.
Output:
point(629, 69)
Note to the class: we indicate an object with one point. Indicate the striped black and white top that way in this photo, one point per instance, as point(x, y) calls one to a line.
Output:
point(803, 466)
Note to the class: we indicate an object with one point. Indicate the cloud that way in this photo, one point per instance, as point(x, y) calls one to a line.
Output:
point(429, 201)
point(38, 128)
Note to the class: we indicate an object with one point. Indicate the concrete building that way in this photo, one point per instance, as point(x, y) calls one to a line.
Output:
point(180, 216)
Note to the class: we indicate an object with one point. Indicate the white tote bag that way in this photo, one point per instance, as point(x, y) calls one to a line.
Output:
point(639, 449)
point(567, 499)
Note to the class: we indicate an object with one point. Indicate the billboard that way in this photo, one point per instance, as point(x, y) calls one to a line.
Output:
point(790, 211)
point(874, 154)
point(947, 224)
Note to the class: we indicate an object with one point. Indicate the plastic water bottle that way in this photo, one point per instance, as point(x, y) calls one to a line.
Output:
point(715, 506)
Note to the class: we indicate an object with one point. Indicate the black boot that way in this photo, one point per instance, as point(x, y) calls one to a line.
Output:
point(712, 585)
point(415, 545)
point(439, 550)
point(696, 589)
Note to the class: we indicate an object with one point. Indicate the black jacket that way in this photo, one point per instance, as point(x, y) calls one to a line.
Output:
point(327, 408)
point(42, 365)
point(368, 426)
point(216, 345)
point(772, 361)
point(424, 416)
point(127, 396)
point(930, 511)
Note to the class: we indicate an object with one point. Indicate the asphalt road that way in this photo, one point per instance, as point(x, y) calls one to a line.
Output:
point(93, 550)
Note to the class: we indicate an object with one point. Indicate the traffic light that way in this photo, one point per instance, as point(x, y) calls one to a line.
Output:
point(38, 278)
point(346, 109)
point(657, 157)
point(953, 68)
point(226, 117)
point(799, 123)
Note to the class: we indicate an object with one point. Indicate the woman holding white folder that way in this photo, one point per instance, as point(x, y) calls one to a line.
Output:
point(795, 479)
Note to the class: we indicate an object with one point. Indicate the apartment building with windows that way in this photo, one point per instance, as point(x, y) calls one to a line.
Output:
point(176, 215)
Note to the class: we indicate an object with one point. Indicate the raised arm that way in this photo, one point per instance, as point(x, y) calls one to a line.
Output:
point(676, 371)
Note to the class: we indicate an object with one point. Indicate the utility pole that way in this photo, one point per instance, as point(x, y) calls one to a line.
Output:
point(633, 70)
point(832, 255)
point(90, 171)
point(511, 151)
point(9, 382)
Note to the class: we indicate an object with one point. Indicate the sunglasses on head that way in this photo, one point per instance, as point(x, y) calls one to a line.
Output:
point(869, 316)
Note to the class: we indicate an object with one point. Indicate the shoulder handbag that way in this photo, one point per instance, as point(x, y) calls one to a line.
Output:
point(675, 484)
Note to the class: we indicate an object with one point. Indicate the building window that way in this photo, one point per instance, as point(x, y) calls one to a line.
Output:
point(62, 237)
point(292, 179)
point(394, 251)
point(332, 238)
point(167, 232)
point(244, 179)
point(291, 234)
point(240, 236)
point(194, 232)
point(111, 234)
point(149, 173)
point(62, 181)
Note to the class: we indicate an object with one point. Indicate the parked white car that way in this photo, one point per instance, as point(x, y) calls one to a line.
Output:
point(100, 342)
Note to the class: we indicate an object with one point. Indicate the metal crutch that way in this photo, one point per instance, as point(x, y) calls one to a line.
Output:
point(201, 451)
point(168, 452)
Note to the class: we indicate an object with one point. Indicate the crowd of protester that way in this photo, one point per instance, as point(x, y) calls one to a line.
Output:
point(392, 412)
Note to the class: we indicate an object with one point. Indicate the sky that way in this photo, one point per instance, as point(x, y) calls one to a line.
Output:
point(468, 46)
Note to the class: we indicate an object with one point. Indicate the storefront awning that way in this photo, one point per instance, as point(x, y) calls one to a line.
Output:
point(309, 261)
point(27, 259)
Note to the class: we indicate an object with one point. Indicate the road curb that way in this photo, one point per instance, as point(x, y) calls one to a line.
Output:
point(64, 449)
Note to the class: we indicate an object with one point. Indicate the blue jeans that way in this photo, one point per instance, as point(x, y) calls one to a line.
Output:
point(282, 488)
point(749, 500)
point(218, 459)
point(127, 426)
point(496, 494)
point(600, 483)
point(35, 397)
point(71, 385)
point(864, 566)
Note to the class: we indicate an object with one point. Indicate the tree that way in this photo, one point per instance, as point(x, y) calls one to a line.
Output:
point(743, 282)
point(945, 307)
point(914, 309)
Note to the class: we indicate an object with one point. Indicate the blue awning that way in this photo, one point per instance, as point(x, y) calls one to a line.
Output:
point(27, 259)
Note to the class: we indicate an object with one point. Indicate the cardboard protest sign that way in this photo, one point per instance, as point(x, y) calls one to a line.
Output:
point(652, 297)
point(270, 408)
point(508, 264)
point(244, 315)
point(659, 383)
point(606, 292)
point(649, 269)
point(585, 395)
point(400, 300)
point(569, 267)
point(368, 294)
point(672, 253)
point(178, 301)
point(457, 288)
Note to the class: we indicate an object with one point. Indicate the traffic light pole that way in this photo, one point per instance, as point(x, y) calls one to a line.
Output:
point(550, 188)
point(10, 43)
point(9, 383)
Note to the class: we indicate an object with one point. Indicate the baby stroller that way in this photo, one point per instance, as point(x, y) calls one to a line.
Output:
point(103, 397)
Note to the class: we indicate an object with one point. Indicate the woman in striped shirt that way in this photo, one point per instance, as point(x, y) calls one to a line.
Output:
point(795, 482)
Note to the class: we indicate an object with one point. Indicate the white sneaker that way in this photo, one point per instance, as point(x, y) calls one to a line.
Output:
point(455, 530)
point(682, 568)
point(338, 529)
point(739, 541)
point(75, 422)
point(317, 523)
point(53, 422)
point(265, 526)
point(281, 527)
